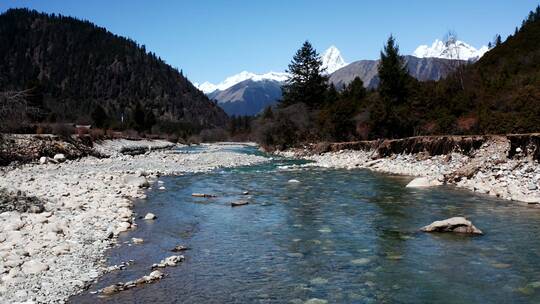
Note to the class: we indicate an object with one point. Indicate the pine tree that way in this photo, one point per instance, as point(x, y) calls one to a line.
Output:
point(99, 116)
point(498, 40)
point(138, 117)
point(393, 90)
point(268, 113)
point(306, 83)
point(355, 90)
point(393, 74)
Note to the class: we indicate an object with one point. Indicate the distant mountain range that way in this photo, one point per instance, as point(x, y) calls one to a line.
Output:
point(248, 93)
point(422, 69)
point(456, 50)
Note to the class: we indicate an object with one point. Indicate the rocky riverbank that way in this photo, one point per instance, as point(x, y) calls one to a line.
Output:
point(50, 252)
point(496, 165)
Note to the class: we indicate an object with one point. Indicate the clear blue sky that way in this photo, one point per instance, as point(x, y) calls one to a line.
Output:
point(210, 40)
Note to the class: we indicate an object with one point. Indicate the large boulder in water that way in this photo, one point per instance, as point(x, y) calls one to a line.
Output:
point(454, 224)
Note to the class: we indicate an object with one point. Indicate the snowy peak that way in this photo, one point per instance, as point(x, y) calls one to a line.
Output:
point(332, 60)
point(208, 87)
point(453, 50)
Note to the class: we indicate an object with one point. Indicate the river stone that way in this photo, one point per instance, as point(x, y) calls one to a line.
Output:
point(422, 182)
point(14, 224)
point(43, 160)
point(150, 216)
point(294, 181)
point(60, 158)
point(316, 301)
point(137, 240)
point(454, 224)
point(169, 261)
point(33, 267)
point(136, 181)
point(179, 248)
point(239, 203)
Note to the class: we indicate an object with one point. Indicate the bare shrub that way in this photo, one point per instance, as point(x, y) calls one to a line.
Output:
point(63, 130)
point(97, 134)
point(194, 140)
point(14, 110)
point(213, 135)
point(131, 134)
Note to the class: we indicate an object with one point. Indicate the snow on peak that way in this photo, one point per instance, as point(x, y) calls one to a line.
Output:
point(208, 87)
point(332, 60)
point(455, 50)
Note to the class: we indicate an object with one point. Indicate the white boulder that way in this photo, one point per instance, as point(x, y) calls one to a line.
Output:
point(60, 158)
point(423, 182)
point(150, 216)
point(33, 267)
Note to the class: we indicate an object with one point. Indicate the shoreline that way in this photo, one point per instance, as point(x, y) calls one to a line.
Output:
point(50, 255)
point(485, 169)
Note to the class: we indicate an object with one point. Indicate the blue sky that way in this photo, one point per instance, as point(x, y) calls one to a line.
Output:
point(210, 40)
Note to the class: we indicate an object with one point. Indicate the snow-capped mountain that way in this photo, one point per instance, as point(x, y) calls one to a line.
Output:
point(208, 87)
point(332, 60)
point(458, 50)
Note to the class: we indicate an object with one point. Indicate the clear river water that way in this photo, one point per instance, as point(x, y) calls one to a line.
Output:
point(337, 236)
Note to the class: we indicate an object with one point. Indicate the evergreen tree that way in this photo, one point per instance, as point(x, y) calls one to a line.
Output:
point(99, 116)
point(498, 40)
point(355, 90)
point(332, 95)
point(394, 90)
point(393, 74)
point(149, 120)
point(306, 83)
point(268, 113)
point(138, 117)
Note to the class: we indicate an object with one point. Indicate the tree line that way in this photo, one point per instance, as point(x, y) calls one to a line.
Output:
point(498, 94)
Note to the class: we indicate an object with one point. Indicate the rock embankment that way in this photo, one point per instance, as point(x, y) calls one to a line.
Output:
point(502, 166)
point(49, 255)
point(16, 148)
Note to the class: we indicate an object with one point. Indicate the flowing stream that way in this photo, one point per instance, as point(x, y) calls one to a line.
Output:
point(337, 236)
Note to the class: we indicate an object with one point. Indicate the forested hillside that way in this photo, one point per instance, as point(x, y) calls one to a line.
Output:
point(75, 71)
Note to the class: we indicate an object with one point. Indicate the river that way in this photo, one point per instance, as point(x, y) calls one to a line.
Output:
point(340, 236)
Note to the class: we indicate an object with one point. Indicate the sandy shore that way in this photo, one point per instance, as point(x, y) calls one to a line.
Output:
point(47, 256)
point(487, 170)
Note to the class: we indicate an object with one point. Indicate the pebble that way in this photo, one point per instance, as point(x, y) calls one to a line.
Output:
point(137, 240)
point(150, 216)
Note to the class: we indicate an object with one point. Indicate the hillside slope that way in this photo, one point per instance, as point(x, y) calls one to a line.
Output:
point(72, 66)
point(423, 69)
point(499, 94)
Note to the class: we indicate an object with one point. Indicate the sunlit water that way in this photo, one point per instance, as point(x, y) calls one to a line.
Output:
point(340, 236)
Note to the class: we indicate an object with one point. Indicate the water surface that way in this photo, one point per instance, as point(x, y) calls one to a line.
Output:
point(340, 236)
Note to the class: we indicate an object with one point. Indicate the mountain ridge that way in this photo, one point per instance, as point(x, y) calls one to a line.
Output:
point(74, 66)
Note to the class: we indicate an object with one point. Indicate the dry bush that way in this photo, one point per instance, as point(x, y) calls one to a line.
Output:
point(213, 135)
point(97, 134)
point(131, 134)
point(63, 130)
point(14, 110)
point(82, 131)
point(465, 124)
point(194, 140)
